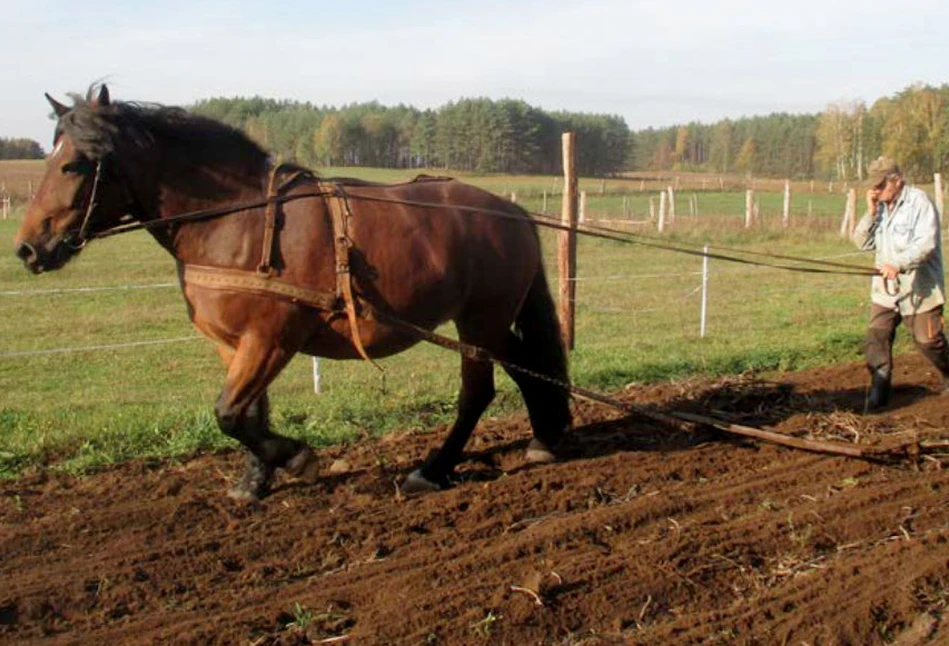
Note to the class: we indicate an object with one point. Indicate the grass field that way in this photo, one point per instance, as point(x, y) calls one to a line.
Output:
point(74, 396)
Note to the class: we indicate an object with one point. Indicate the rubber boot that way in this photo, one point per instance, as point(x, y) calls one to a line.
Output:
point(879, 390)
point(938, 356)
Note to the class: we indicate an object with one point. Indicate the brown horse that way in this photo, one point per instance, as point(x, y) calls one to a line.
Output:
point(273, 261)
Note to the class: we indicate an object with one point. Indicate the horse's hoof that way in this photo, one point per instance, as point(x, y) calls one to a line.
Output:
point(304, 465)
point(254, 484)
point(416, 484)
point(539, 453)
point(243, 495)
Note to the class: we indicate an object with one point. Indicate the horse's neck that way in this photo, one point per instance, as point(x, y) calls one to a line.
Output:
point(199, 240)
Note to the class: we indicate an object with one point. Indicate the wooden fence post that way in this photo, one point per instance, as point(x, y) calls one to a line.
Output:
point(937, 189)
point(672, 205)
point(567, 257)
point(749, 207)
point(583, 207)
point(850, 214)
point(543, 208)
point(625, 207)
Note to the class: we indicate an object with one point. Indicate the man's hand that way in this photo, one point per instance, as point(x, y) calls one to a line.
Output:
point(873, 198)
point(889, 272)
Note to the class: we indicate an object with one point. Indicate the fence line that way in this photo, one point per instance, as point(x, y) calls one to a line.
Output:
point(673, 301)
point(94, 348)
point(74, 290)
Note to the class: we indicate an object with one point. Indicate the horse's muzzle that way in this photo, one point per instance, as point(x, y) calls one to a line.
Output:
point(37, 259)
point(30, 257)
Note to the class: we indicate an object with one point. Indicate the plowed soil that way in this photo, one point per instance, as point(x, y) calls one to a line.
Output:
point(645, 535)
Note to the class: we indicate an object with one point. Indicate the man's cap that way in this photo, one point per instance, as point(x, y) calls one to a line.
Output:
point(881, 168)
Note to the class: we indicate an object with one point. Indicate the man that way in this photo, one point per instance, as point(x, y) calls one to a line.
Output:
point(902, 225)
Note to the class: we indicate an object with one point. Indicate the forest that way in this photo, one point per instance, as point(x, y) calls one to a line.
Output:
point(911, 126)
point(512, 137)
point(479, 135)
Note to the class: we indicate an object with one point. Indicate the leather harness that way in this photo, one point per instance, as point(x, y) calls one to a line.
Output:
point(266, 279)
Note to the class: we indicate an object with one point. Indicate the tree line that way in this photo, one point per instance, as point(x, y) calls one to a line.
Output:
point(20, 149)
point(510, 136)
point(480, 135)
point(912, 126)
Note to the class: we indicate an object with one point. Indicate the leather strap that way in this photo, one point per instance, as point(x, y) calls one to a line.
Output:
point(255, 283)
point(339, 210)
point(265, 268)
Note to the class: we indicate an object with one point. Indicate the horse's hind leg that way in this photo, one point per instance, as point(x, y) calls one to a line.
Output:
point(477, 391)
point(547, 402)
point(242, 412)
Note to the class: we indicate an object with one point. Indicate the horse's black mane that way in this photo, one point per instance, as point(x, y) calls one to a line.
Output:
point(124, 128)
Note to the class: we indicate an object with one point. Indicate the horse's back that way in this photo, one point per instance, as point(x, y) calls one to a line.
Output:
point(439, 239)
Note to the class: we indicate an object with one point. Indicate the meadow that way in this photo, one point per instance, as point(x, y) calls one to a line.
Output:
point(98, 362)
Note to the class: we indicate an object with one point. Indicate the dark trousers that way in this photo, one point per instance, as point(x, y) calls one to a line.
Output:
point(926, 328)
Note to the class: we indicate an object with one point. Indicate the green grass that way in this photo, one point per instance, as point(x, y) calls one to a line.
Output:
point(637, 320)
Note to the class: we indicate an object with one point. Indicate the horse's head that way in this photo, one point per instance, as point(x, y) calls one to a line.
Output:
point(78, 190)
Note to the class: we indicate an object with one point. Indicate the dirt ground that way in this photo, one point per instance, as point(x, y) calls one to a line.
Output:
point(646, 535)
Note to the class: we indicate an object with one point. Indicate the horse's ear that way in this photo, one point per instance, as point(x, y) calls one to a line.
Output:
point(58, 107)
point(103, 98)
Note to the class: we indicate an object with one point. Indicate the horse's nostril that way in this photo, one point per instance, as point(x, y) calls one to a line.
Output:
point(26, 252)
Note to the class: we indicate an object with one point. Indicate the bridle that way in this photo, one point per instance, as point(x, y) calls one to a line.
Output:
point(77, 238)
point(78, 241)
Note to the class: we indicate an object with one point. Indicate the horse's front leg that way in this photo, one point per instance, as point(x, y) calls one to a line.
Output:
point(243, 413)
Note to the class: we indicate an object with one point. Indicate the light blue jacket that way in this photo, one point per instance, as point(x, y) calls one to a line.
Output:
point(908, 238)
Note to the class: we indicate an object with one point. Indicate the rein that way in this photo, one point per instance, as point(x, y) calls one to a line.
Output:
point(616, 235)
point(606, 233)
point(205, 214)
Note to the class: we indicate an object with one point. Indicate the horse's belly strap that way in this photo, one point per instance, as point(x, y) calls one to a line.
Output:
point(266, 285)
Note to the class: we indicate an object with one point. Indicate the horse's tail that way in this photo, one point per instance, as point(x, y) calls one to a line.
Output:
point(543, 351)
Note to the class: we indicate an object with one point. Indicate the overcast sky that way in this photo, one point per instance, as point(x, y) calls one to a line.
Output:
point(653, 63)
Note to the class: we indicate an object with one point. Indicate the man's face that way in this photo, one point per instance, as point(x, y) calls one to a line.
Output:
point(887, 190)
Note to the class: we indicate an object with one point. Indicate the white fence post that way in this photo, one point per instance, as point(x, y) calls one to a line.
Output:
point(316, 375)
point(786, 213)
point(662, 211)
point(704, 292)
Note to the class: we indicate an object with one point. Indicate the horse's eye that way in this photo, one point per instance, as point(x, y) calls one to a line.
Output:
point(79, 166)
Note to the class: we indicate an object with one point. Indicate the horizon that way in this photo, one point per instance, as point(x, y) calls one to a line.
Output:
point(654, 66)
